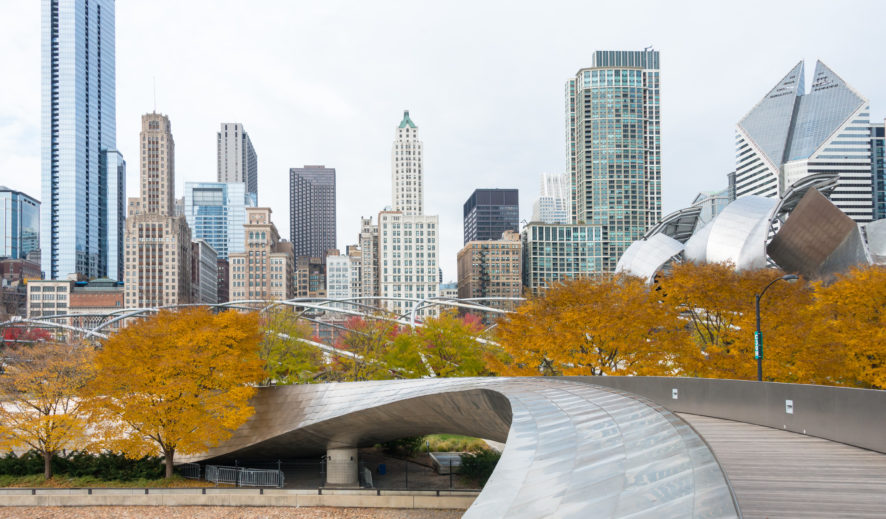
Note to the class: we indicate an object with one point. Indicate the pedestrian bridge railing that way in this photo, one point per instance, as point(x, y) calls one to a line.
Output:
point(842, 414)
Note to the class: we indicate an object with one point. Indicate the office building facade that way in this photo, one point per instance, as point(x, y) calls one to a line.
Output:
point(339, 277)
point(369, 253)
point(158, 243)
point(78, 139)
point(492, 269)
point(216, 212)
point(204, 273)
point(552, 205)
point(312, 210)
point(237, 161)
point(264, 270)
point(614, 148)
point(19, 224)
point(490, 212)
point(791, 134)
point(878, 169)
point(554, 253)
point(408, 259)
point(310, 276)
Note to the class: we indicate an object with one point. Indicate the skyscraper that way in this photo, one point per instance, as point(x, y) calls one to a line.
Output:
point(407, 176)
point(19, 224)
point(490, 212)
point(78, 141)
point(408, 257)
point(614, 126)
point(216, 212)
point(237, 161)
point(878, 168)
point(791, 134)
point(312, 210)
point(158, 243)
point(552, 205)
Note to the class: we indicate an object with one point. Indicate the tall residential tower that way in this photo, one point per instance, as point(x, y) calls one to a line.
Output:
point(82, 208)
point(613, 129)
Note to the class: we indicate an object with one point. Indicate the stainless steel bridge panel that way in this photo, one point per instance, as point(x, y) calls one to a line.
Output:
point(571, 449)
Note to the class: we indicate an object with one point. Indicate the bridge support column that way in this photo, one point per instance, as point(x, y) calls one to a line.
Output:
point(341, 467)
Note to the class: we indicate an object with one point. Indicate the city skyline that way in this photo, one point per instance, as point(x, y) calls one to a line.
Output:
point(481, 117)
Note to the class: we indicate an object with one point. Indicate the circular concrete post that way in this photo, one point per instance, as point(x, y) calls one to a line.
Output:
point(341, 467)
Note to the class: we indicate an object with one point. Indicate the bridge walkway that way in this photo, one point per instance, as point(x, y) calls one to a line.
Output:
point(783, 474)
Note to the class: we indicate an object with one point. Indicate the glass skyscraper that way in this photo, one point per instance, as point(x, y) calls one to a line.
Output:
point(216, 212)
point(78, 120)
point(312, 211)
point(613, 131)
point(490, 212)
point(791, 134)
point(878, 169)
point(19, 224)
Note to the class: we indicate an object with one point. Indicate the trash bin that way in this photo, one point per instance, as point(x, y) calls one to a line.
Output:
point(382, 469)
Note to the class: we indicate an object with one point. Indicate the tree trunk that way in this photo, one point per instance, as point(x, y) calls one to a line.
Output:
point(47, 465)
point(169, 453)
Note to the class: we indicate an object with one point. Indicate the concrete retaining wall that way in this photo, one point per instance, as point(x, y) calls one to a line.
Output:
point(227, 497)
point(846, 415)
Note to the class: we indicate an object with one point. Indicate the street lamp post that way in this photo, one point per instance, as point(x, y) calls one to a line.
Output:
point(758, 335)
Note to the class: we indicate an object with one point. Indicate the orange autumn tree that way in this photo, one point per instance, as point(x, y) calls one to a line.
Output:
point(610, 325)
point(178, 382)
point(40, 404)
point(716, 303)
point(851, 325)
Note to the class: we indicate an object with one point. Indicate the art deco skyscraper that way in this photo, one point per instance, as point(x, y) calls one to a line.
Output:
point(237, 161)
point(407, 176)
point(408, 257)
point(158, 243)
point(83, 176)
point(791, 134)
point(614, 147)
point(312, 210)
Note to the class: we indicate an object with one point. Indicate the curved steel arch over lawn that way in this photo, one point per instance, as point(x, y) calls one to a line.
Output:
point(571, 449)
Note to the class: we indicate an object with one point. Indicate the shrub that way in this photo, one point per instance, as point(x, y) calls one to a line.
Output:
point(478, 466)
point(403, 446)
point(106, 466)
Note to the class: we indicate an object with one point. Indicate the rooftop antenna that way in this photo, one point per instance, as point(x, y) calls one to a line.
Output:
point(649, 48)
point(155, 94)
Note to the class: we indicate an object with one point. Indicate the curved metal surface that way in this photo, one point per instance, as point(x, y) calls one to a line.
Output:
point(678, 225)
point(572, 449)
point(645, 257)
point(738, 234)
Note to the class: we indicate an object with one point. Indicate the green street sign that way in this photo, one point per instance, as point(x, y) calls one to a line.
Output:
point(758, 345)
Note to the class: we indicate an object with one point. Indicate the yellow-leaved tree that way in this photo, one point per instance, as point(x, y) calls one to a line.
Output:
point(178, 382)
point(851, 324)
point(609, 325)
point(717, 306)
point(40, 406)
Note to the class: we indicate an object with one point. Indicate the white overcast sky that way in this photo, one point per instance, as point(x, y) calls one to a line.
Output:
point(325, 82)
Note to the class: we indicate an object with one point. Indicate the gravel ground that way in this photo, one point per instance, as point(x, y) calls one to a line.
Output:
point(211, 512)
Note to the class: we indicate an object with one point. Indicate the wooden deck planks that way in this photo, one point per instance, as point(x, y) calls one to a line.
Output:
point(782, 474)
